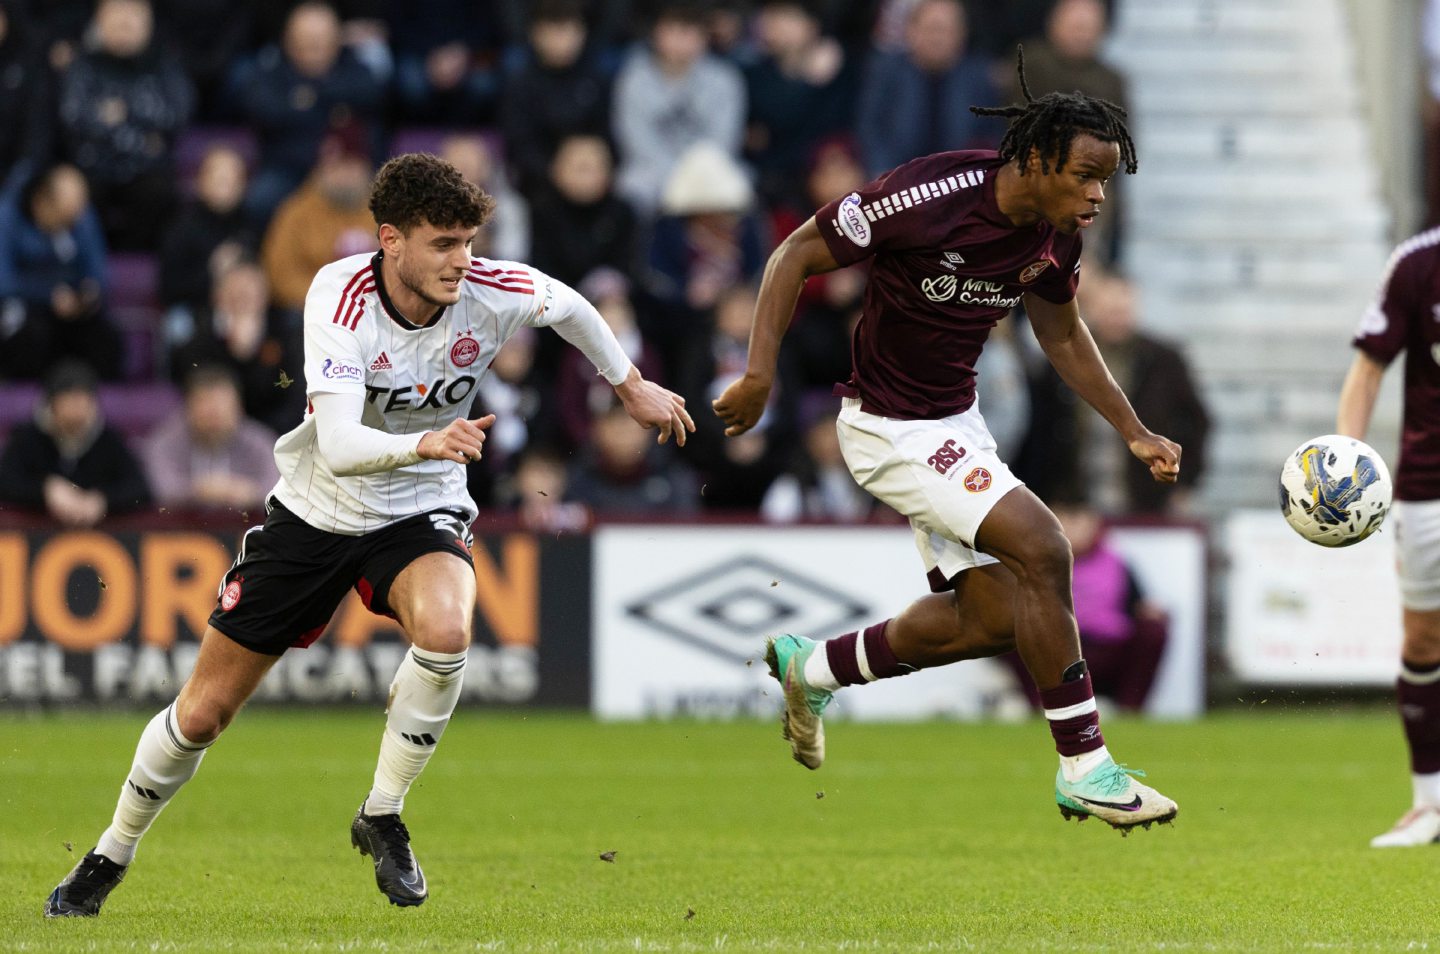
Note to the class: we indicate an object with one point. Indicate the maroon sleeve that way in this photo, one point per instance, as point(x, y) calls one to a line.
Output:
point(1057, 285)
point(1383, 327)
point(895, 211)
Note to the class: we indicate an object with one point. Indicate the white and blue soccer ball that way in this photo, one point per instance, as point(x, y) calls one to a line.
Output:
point(1334, 490)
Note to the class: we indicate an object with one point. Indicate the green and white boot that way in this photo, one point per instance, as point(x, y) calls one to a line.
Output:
point(786, 655)
point(1111, 793)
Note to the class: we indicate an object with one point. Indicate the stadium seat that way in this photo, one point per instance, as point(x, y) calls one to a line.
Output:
point(134, 307)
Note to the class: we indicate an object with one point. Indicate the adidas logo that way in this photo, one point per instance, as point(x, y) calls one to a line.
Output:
point(381, 363)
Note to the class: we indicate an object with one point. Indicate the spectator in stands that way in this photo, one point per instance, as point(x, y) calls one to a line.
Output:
point(506, 235)
point(587, 226)
point(122, 102)
point(671, 94)
point(53, 278)
point(27, 98)
point(327, 218)
point(580, 394)
point(539, 492)
point(800, 91)
point(240, 331)
point(208, 36)
point(1066, 445)
point(1122, 635)
point(209, 454)
point(294, 94)
point(625, 473)
point(511, 391)
point(707, 240)
point(68, 462)
point(1067, 58)
point(917, 101)
point(737, 471)
point(829, 304)
point(447, 69)
point(210, 234)
point(556, 93)
point(817, 485)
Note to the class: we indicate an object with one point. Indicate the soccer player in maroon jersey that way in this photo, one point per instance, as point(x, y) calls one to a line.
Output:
point(1406, 317)
point(957, 240)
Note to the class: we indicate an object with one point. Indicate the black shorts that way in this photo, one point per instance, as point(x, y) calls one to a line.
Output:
point(289, 577)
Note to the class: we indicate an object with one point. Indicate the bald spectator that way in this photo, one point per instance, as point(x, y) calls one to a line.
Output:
point(916, 101)
point(209, 454)
point(122, 102)
point(52, 278)
point(68, 463)
point(294, 93)
point(327, 218)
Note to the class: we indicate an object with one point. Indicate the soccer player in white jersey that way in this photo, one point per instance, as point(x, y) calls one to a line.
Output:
point(371, 496)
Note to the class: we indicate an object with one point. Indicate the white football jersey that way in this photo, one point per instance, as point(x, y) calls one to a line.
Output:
point(414, 379)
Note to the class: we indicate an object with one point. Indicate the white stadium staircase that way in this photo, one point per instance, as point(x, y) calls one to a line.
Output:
point(1256, 229)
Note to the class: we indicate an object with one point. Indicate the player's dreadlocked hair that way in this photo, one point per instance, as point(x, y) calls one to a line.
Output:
point(416, 188)
point(1048, 125)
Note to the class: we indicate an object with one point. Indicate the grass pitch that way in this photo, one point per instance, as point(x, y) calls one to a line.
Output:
point(932, 837)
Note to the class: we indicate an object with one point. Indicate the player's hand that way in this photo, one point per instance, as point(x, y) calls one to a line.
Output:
point(742, 404)
point(460, 441)
point(1161, 455)
point(650, 405)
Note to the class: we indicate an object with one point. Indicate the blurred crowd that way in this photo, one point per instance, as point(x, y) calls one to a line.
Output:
point(173, 173)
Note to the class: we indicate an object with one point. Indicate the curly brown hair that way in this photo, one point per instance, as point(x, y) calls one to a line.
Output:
point(416, 188)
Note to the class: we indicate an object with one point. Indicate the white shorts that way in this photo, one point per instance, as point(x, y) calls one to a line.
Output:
point(943, 475)
point(1417, 549)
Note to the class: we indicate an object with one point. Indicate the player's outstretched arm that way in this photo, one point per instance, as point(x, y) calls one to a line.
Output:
point(1072, 352)
point(1357, 396)
point(802, 254)
point(650, 405)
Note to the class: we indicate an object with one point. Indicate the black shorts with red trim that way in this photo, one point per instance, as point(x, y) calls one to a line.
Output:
point(289, 577)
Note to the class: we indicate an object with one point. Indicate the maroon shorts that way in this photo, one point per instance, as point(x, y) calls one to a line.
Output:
point(289, 577)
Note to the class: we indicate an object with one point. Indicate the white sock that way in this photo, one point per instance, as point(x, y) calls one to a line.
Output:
point(422, 697)
point(164, 761)
point(1427, 790)
point(1078, 766)
point(817, 670)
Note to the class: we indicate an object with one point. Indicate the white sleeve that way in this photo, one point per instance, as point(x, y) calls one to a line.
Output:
point(577, 321)
point(349, 447)
point(334, 354)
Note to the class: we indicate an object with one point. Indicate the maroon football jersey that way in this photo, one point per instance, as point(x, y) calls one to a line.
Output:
point(1405, 316)
point(948, 266)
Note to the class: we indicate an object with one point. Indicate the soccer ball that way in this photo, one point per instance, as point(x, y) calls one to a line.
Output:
point(1334, 490)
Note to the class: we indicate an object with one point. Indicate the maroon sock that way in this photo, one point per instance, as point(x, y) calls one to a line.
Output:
point(1418, 692)
point(844, 656)
point(1074, 720)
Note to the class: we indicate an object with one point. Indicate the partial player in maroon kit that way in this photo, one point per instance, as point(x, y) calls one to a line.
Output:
point(956, 240)
point(1405, 316)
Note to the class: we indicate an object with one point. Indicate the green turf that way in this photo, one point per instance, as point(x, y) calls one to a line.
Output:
point(931, 837)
